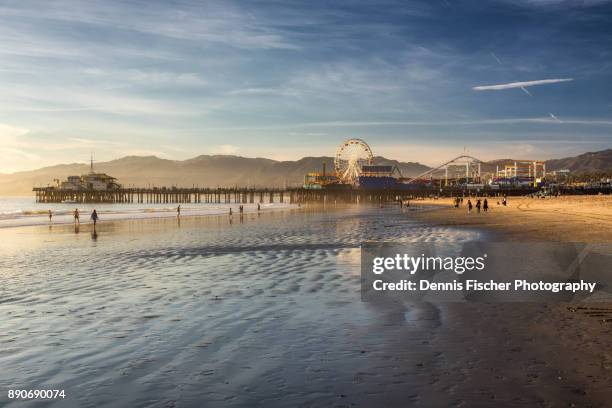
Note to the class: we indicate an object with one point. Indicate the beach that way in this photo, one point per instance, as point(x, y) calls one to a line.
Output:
point(581, 218)
point(265, 310)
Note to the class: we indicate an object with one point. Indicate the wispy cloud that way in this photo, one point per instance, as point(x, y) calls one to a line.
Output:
point(565, 3)
point(213, 22)
point(265, 91)
point(522, 85)
point(433, 124)
point(10, 132)
point(12, 146)
point(225, 149)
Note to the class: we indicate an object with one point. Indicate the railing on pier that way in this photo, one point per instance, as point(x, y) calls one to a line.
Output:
point(269, 195)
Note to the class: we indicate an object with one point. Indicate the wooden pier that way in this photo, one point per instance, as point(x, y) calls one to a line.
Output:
point(218, 195)
point(268, 195)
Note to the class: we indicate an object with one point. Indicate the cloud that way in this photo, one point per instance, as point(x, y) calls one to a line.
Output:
point(265, 91)
point(209, 23)
point(9, 132)
point(225, 149)
point(525, 84)
point(12, 147)
point(441, 123)
point(567, 3)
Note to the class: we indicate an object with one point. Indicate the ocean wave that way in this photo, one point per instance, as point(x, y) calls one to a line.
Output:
point(64, 214)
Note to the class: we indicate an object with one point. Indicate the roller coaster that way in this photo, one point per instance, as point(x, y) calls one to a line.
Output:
point(472, 169)
point(465, 169)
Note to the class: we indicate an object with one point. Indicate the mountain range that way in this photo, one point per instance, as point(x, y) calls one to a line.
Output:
point(227, 170)
point(202, 171)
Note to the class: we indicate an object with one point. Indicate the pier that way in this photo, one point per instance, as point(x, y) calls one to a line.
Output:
point(217, 195)
point(296, 195)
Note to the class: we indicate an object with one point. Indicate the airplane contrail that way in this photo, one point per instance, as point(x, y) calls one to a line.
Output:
point(525, 84)
point(526, 91)
point(554, 117)
point(496, 59)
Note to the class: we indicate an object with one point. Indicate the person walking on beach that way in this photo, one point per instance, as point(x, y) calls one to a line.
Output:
point(504, 201)
point(469, 206)
point(258, 207)
point(478, 206)
point(50, 216)
point(94, 217)
point(178, 211)
point(485, 205)
point(230, 214)
point(76, 216)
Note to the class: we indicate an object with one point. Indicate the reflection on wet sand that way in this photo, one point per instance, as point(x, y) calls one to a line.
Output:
point(265, 312)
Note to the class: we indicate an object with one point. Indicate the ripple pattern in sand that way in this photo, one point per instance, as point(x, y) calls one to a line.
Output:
point(261, 313)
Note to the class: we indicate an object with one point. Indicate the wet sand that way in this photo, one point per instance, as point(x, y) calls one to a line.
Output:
point(566, 218)
point(266, 312)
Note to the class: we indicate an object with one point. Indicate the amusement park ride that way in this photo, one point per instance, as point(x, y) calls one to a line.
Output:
point(354, 168)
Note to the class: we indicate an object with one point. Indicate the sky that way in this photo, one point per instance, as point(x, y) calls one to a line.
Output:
point(417, 80)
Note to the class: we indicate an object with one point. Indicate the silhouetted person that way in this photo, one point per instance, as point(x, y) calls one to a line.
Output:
point(178, 211)
point(504, 201)
point(469, 206)
point(76, 216)
point(230, 211)
point(50, 216)
point(94, 217)
point(258, 207)
point(478, 206)
point(485, 205)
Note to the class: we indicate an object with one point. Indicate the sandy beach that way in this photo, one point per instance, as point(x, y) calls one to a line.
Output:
point(266, 311)
point(565, 218)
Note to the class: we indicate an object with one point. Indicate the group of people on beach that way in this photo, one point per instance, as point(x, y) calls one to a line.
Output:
point(480, 204)
point(94, 215)
point(77, 217)
point(241, 209)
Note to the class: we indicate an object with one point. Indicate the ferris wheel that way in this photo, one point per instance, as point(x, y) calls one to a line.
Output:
point(351, 156)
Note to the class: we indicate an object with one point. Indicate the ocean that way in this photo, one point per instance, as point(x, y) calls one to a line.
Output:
point(24, 211)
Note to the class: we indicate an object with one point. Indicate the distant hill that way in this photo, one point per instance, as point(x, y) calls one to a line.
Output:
point(203, 171)
point(226, 170)
point(591, 162)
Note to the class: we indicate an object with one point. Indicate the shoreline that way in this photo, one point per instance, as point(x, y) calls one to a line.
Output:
point(139, 214)
point(557, 219)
